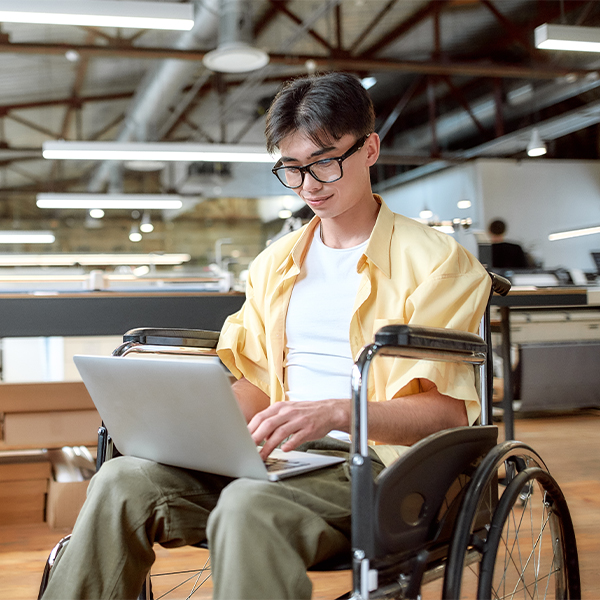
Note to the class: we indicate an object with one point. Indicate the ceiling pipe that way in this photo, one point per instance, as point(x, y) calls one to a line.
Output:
point(459, 124)
point(507, 145)
point(151, 102)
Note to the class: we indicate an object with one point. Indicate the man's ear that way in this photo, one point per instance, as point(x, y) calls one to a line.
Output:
point(373, 145)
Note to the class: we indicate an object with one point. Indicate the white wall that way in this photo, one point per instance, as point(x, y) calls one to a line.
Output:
point(535, 197)
point(39, 359)
point(539, 197)
point(440, 193)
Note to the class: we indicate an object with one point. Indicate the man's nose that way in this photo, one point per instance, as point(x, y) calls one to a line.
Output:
point(310, 183)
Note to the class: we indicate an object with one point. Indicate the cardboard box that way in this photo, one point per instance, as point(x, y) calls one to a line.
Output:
point(64, 502)
point(24, 478)
point(46, 396)
point(51, 429)
point(71, 470)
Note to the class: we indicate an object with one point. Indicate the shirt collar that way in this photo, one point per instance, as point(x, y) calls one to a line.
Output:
point(378, 249)
point(300, 247)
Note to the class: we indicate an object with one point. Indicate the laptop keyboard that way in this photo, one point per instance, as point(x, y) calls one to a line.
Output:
point(276, 464)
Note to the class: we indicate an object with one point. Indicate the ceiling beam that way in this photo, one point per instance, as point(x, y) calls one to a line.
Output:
point(442, 67)
point(80, 73)
point(283, 9)
point(478, 69)
point(267, 17)
point(4, 108)
point(374, 22)
point(516, 34)
point(404, 27)
point(35, 126)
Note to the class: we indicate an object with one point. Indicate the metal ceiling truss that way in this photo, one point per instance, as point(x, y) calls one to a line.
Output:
point(441, 71)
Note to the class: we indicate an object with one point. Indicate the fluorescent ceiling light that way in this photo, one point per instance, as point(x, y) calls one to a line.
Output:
point(100, 13)
point(567, 37)
point(156, 151)
point(563, 235)
point(26, 237)
point(46, 260)
point(110, 201)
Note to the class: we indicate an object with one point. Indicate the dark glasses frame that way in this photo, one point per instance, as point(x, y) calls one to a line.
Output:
point(279, 168)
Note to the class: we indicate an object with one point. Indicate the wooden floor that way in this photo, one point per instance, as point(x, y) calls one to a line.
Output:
point(569, 444)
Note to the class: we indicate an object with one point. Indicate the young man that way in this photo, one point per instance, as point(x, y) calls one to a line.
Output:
point(314, 298)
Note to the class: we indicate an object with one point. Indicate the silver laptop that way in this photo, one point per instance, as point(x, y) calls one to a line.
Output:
point(183, 412)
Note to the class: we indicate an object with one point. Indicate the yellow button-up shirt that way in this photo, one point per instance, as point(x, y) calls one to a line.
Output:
point(410, 273)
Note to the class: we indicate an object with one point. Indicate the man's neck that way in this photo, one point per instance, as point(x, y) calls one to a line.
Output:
point(351, 228)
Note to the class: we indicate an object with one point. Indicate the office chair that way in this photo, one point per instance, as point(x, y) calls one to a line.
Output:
point(482, 519)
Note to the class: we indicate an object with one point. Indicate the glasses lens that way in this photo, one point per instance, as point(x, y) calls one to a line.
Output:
point(327, 170)
point(290, 176)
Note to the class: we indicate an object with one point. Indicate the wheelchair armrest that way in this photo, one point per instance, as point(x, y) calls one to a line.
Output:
point(500, 285)
point(195, 338)
point(429, 338)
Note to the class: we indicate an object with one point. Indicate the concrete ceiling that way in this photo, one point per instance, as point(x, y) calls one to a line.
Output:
point(456, 79)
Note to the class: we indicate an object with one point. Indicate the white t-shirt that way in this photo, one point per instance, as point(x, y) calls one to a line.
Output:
point(318, 362)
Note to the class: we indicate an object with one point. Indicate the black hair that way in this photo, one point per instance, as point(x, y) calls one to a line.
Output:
point(497, 227)
point(323, 107)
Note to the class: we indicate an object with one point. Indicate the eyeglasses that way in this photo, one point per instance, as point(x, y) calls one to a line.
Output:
point(326, 170)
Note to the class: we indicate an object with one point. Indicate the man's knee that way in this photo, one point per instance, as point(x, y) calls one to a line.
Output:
point(122, 477)
point(245, 503)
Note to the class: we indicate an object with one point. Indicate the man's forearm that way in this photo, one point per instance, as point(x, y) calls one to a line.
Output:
point(250, 398)
point(408, 419)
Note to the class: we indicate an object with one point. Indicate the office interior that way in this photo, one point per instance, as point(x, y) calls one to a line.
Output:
point(477, 123)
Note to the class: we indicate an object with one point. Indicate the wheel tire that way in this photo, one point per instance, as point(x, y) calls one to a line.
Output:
point(530, 550)
point(469, 538)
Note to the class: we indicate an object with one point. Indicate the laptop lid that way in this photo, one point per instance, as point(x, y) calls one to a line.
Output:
point(181, 412)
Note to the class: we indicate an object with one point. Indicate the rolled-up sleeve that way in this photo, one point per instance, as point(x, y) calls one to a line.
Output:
point(453, 296)
point(242, 344)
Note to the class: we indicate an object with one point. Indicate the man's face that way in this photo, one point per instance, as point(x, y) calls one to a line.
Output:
point(330, 200)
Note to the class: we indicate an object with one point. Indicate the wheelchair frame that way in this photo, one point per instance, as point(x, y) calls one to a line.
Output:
point(437, 510)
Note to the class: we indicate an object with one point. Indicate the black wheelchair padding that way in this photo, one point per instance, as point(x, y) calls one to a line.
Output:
point(411, 496)
point(172, 337)
point(429, 338)
point(500, 285)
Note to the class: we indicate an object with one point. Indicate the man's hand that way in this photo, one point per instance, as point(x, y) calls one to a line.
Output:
point(300, 421)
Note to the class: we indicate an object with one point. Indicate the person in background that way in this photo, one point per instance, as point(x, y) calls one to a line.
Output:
point(505, 255)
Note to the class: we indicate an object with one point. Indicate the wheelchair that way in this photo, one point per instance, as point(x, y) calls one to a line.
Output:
point(459, 515)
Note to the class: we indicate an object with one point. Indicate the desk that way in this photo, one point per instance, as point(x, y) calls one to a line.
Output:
point(112, 313)
point(531, 298)
point(55, 414)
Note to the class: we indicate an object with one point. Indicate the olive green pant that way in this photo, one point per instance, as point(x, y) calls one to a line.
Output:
point(262, 535)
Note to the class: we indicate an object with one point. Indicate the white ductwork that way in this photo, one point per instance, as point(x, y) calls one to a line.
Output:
point(151, 102)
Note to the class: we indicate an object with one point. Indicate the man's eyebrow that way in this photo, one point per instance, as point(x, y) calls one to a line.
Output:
point(316, 153)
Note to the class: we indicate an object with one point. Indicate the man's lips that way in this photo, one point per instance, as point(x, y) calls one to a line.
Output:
point(316, 201)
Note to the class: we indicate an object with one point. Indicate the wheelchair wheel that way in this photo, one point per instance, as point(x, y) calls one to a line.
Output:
point(176, 585)
point(531, 536)
point(471, 539)
point(50, 564)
